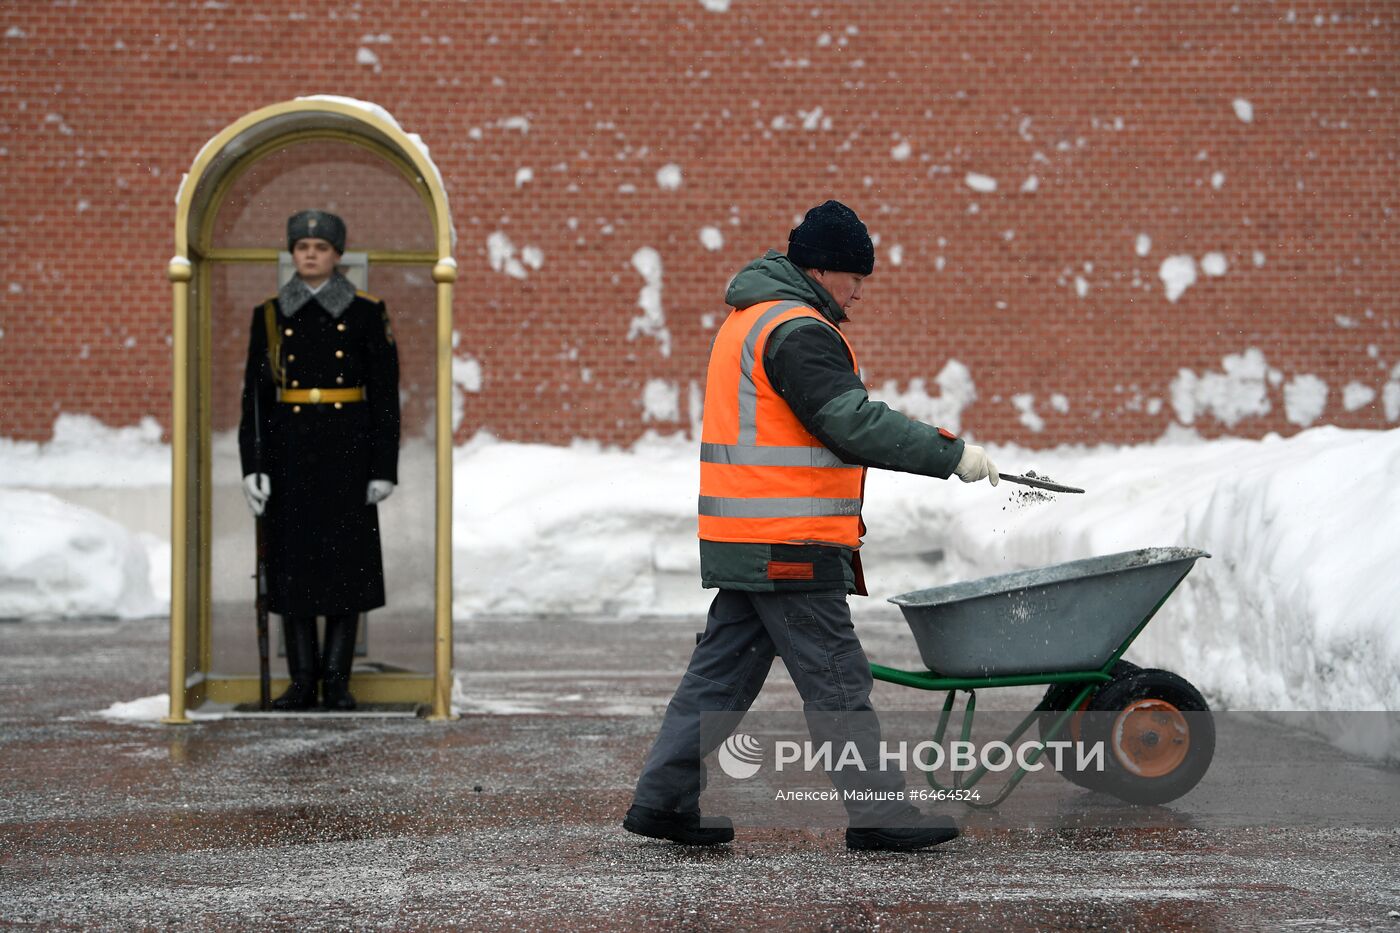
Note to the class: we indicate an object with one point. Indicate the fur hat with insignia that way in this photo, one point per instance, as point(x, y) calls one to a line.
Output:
point(320, 224)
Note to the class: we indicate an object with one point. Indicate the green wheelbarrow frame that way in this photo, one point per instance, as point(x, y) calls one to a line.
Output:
point(931, 680)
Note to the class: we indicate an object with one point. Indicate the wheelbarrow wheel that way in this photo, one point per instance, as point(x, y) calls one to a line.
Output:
point(1055, 701)
point(1157, 733)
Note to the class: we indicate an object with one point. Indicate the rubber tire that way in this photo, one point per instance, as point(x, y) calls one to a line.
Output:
point(1150, 684)
point(1054, 702)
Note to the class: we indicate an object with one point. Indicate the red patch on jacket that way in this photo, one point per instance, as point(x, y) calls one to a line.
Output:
point(948, 434)
point(785, 570)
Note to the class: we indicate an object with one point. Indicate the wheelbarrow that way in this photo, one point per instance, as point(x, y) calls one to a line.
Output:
point(1067, 626)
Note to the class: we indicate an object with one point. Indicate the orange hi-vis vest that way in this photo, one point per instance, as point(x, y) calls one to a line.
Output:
point(764, 478)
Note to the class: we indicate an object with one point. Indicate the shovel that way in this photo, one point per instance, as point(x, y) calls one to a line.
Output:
point(1032, 480)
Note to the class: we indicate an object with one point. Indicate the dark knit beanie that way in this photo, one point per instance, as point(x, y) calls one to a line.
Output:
point(832, 238)
point(320, 224)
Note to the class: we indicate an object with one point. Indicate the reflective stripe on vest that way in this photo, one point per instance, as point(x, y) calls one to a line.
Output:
point(763, 477)
point(749, 455)
point(776, 508)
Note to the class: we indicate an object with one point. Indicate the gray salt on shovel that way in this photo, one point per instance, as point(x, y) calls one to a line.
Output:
point(1030, 479)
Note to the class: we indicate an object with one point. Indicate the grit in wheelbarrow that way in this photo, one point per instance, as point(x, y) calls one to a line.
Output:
point(1067, 626)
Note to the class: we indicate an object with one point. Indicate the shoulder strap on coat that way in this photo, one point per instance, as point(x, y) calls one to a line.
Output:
point(274, 340)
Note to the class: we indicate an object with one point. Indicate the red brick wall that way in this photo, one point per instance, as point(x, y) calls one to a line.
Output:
point(1123, 111)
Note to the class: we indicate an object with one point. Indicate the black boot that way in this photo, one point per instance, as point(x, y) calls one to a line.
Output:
point(339, 659)
point(302, 664)
point(919, 832)
point(689, 829)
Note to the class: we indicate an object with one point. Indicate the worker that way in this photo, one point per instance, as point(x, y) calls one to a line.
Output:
point(788, 433)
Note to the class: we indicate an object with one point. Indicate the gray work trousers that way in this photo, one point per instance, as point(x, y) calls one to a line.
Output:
point(816, 639)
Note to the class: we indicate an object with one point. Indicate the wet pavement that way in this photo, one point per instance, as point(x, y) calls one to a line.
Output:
point(508, 817)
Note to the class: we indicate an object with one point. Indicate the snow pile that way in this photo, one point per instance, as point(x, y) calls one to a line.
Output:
point(145, 709)
point(578, 530)
point(57, 559)
point(85, 452)
point(154, 709)
point(1293, 611)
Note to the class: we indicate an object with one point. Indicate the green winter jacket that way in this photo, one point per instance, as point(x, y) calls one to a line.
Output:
point(811, 370)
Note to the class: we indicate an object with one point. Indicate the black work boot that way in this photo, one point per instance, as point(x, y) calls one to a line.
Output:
point(689, 829)
point(339, 660)
point(303, 665)
point(921, 832)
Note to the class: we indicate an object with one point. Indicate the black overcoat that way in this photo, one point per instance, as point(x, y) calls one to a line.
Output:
point(322, 539)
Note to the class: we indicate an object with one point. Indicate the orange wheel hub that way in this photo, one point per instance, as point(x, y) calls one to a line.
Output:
point(1150, 738)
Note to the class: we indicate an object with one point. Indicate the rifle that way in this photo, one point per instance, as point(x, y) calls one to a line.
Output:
point(260, 574)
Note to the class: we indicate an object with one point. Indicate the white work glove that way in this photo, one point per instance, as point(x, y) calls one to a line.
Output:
point(378, 491)
point(976, 465)
point(257, 488)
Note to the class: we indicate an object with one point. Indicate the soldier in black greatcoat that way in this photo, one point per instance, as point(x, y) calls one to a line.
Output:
point(322, 384)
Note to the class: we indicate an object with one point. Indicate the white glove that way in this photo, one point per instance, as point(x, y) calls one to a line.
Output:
point(378, 491)
point(257, 489)
point(975, 465)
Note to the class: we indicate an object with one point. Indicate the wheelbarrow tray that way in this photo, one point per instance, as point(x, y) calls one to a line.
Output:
point(1066, 617)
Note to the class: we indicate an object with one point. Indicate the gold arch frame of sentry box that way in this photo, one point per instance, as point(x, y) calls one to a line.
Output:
point(215, 169)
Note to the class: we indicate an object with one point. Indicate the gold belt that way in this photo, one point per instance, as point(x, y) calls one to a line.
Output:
point(320, 396)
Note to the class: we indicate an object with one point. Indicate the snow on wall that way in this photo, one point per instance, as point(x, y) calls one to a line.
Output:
point(1214, 264)
point(669, 177)
point(1304, 399)
point(501, 254)
point(985, 184)
point(1177, 273)
point(956, 391)
point(1390, 395)
point(1238, 392)
point(895, 161)
point(1356, 395)
point(661, 401)
point(695, 407)
point(652, 321)
point(466, 379)
point(1024, 403)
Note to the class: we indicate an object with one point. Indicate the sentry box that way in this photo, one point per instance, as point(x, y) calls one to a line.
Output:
point(352, 159)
